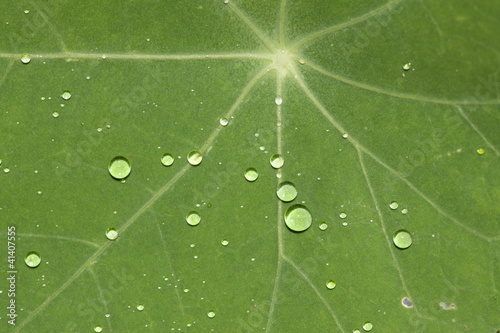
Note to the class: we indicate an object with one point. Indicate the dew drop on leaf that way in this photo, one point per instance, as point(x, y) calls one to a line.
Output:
point(25, 59)
point(98, 328)
point(193, 218)
point(251, 174)
point(330, 284)
point(286, 192)
point(211, 314)
point(278, 100)
point(277, 161)
point(323, 226)
point(367, 327)
point(194, 157)
point(406, 302)
point(342, 215)
point(224, 242)
point(140, 307)
point(480, 151)
point(66, 95)
point(298, 218)
point(111, 234)
point(223, 121)
point(393, 205)
point(404, 211)
point(402, 239)
point(32, 259)
point(167, 160)
point(55, 114)
point(6, 170)
point(119, 167)
point(407, 66)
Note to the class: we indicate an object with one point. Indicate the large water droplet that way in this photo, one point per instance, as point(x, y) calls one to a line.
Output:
point(286, 192)
point(277, 161)
point(25, 59)
point(66, 95)
point(98, 328)
point(211, 314)
point(111, 234)
point(402, 239)
point(167, 160)
point(298, 218)
point(251, 174)
point(330, 284)
point(194, 157)
point(367, 327)
point(119, 167)
point(193, 218)
point(393, 205)
point(32, 259)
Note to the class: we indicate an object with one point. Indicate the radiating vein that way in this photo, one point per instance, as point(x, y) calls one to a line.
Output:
point(56, 33)
point(72, 239)
point(75, 56)
point(282, 25)
point(357, 145)
point(141, 210)
point(320, 33)
point(264, 39)
point(396, 93)
point(476, 129)
point(316, 290)
point(6, 72)
point(383, 226)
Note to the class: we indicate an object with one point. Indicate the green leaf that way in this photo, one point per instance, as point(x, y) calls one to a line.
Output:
point(386, 114)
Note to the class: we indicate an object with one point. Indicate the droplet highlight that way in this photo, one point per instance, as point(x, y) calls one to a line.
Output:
point(119, 167)
point(32, 259)
point(251, 174)
point(402, 239)
point(193, 218)
point(167, 160)
point(330, 284)
point(286, 192)
point(298, 218)
point(277, 161)
point(194, 157)
point(111, 234)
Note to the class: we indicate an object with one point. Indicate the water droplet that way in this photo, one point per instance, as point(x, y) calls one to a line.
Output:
point(323, 226)
point(111, 234)
point(226, 1)
point(193, 218)
point(167, 160)
point(406, 302)
point(298, 218)
point(407, 66)
point(330, 284)
point(345, 135)
point(140, 307)
point(224, 242)
point(32, 259)
point(356, 331)
point(394, 205)
point(342, 215)
point(277, 161)
point(286, 192)
point(404, 211)
point(55, 114)
point(66, 95)
point(223, 121)
point(302, 61)
point(194, 157)
point(278, 100)
point(6, 170)
point(211, 314)
point(367, 327)
point(251, 174)
point(119, 167)
point(402, 239)
point(480, 151)
point(98, 329)
point(25, 59)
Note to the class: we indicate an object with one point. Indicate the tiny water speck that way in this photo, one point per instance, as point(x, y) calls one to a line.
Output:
point(194, 158)
point(323, 226)
point(367, 327)
point(119, 167)
point(480, 151)
point(402, 239)
point(25, 59)
point(393, 205)
point(330, 284)
point(32, 259)
point(211, 314)
point(193, 218)
point(298, 218)
point(111, 234)
point(251, 174)
point(167, 160)
point(277, 161)
point(66, 95)
point(98, 329)
point(140, 307)
point(223, 121)
point(286, 192)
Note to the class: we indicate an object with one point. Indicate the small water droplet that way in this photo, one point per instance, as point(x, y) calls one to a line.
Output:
point(402, 239)
point(480, 151)
point(251, 174)
point(194, 157)
point(367, 327)
point(119, 167)
point(277, 161)
point(224, 242)
point(298, 218)
point(286, 192)
point(32, 259)
point(140, 307)
point(330, 284)
point(323, 226)
point(342, 215)
point(186, 290)
point(356, 331)
point(193, 218)
point(394, 205)
point(404, 211)
point(226, 1)
point(211, 314)
point(302, 61)
point(55, 114)
point(223, 121)
point(66, 95)
point(98, 328)
point(345, 135)
point(406, 302)
point(407, 66)
point(6, 170)
point(278, 100)
point(25, 59)
point(167, 160)
point(111, 234)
